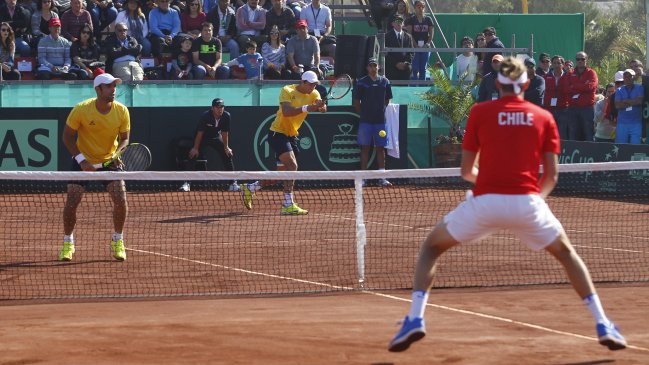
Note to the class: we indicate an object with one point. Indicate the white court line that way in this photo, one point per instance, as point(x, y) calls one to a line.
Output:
point(456, 310)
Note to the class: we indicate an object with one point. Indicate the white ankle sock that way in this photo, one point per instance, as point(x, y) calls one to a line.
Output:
point(419, 300)
point(595, 307)
point(288, 199)
point(254, 187)
point(118, 236)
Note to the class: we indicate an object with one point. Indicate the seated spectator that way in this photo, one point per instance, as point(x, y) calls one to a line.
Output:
point(192, 18)
point(251, 21)
point(8, 69)
point(302, 52)
point(274, 54)
point(536, 89)
point(224, 21)
point(318, 19)
point(206, 56)
point(54, 54)
point(265, 4)
point(296, 6)
point(164, 24)
point(604, 121)
point(421, 27)
point(19, 18)
point(251, 61)
point(181, 64)
point(73, 19)
point(281, 17)
point(62, 6)
point(138, 27)
point(103, 13)
point(123, 55)
point(84, 52)
point(41, 20)
point(487, 90)
point(466, 64)
point(398, 65)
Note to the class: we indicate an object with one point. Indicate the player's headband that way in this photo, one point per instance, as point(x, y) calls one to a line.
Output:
point(504, 80)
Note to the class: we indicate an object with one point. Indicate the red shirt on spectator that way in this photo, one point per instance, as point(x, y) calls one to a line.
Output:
point(558, 89)
point(582, 88)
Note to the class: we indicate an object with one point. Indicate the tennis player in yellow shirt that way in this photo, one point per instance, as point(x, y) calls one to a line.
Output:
point(102, 127)
point(295, 102)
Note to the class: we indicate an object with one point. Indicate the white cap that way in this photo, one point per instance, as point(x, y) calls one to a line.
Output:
point(106, 79)
point(310, 77)
point(619, 76)
point(629, 71)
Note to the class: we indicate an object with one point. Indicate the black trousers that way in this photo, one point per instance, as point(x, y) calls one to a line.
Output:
point(219, 147)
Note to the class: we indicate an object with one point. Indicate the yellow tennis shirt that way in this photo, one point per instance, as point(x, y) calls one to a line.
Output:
point(290, 125)
point(98, 133)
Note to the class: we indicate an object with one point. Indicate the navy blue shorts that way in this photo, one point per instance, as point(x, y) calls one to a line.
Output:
point(368, 132)
point(281, 143)
point(76, 168)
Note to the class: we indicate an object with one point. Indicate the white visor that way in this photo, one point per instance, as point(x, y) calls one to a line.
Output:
point(504, 80)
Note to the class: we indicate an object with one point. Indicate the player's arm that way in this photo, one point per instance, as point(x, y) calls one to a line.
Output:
point(193, 153)
point(468, 168)
point(226, 138)
point(289, 111)
point(357, 105)
point(70, 143)
point(550, 173)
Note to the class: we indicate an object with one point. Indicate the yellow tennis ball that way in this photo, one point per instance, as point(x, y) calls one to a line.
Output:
point(382, 133)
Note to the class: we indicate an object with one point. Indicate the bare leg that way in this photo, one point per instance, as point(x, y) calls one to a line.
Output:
point(75, 193)
point(365, 157)
point(289, 163)
point(380, 157)
point(577, 272)
point(437, 242)
point(117, 191)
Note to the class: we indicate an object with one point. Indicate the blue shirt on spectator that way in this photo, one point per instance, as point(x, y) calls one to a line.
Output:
point(632, 114)
point(373, 95)
point(169, 21)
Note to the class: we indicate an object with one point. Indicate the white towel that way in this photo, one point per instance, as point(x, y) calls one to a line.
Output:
point(392, 129)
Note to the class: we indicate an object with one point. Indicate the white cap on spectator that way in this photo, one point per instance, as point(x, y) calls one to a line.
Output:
point(619, 76)
point(106, 79)
point(310, 77)
point(628, 70)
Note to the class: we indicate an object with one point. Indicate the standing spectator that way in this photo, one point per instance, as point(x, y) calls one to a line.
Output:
point(164, 23)
point(487, 90)
point(274, 54)
point(206, 56)
point(303, 52)
point(372, 93)
point(492, 42)
point(54, 54)
point(281, 17)
point(480, 42)
point(556, 98)
point(619, 81)
point(398, 65)
point(74, 19)
point(536, 88)
point(224, 20)
point(123, 58)
point(138, 27)
point(401, 9)
point(84, 51)
point(251, 61)
point(569, 66)
point(181, 64)
point(466, 64)
point(192, 18)
point(103, 13)
point(604, 121)
point(319, 23)
point(41, 20)
point(7, 51)
point(251, 20)
point(642, 79)
point(628, 101)
point(381, 13)
point(19, 18)
point(544, 65)
point(582, 89)
point(421, 27)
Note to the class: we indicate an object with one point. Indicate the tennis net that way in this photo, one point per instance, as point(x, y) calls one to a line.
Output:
point(358, 235)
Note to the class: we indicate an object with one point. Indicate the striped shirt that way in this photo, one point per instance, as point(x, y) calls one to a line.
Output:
point(54, 52)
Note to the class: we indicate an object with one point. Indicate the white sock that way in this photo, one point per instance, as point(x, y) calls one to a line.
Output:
point(118, 236)
point(254, 187)
point(288, 199)
point(69, 238)
point(595, 307)
point(419, 300)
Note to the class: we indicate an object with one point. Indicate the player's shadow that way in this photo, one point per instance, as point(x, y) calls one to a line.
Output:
point(594, 362)
point(204, 219)
point(48, 263)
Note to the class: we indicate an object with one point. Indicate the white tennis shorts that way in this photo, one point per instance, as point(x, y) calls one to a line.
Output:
point(527, 216)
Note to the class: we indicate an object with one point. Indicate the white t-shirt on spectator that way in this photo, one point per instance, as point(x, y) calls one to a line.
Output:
point(462, 63)
point(316, 18)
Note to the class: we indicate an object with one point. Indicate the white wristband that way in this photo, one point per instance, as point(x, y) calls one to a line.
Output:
point(80, 158)
point(305, 108)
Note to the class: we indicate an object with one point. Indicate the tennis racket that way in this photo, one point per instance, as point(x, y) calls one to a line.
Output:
point(134, 157)
point(340, 87)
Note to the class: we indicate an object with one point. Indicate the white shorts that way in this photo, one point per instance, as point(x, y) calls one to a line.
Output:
point(527, 216)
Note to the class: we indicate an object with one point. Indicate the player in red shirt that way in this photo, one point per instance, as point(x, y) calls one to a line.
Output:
point(514, 137)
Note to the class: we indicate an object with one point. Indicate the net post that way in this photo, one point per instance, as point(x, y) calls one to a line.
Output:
point(361, 236)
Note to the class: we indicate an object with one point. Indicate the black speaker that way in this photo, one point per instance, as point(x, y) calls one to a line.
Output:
point(350, 55)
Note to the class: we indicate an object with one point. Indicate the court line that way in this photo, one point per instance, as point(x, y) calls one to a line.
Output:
point(388, 296)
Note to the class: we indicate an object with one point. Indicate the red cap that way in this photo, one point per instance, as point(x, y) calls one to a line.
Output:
point(301, 23)
point(55, 22)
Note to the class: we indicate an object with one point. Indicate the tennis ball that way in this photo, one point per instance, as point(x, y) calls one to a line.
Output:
point(382, 133)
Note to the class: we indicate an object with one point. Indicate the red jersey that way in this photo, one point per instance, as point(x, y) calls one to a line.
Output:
point(558, 89)
point(511, 135)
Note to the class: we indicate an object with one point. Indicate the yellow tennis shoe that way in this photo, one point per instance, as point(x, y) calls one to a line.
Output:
point(293, 209)
point(246, 196)
point(66, 252)
point(119, 252)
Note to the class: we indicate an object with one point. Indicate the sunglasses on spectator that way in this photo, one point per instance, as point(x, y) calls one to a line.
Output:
point(274, 33)
point(4, 30)
point(480, 39)
point(488, 34)
point(193, 4)
point(545, 61)
point(121, 29)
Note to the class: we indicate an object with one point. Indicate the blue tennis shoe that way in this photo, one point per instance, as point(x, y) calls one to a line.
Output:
point(609, 336)
point(411, 331)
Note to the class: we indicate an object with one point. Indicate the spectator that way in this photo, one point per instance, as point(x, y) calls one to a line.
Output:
point(181, 64)
point(61, 5)
point(223, 19)
point(296, 6)
point(251, 20)
point(303, 52)
point(556, 98)
point(480, 42)
point(398, 65)
point(466, 64)
point(281, 17)
point(123, 58)
point(544, 65)
point(421, 27)
point(19, 18)
point(8, 70)
point(206, 56)
point(41, 20)
point(381, 11)
point(138, 27)
point(642, 79)
point(401, 9)
point(536, 89)
point(487, 90)
point(492, 42)
point(54, 54)
point(582, 88)
point(84, 52)
point(274, 54)
point(192, 19)
point(164, 23)
point(74, 19)
point(103, 13)
point(568, 66)
point(604, 121)
point(628, 102)
point(319, 23)
point(251, 61)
